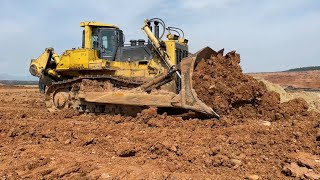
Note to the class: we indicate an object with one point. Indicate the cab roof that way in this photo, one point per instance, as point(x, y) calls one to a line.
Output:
point(91, 23)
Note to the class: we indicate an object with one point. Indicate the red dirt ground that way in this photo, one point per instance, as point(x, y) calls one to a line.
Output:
point(37, 144)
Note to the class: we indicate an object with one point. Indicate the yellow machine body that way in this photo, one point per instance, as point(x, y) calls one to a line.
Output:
point(85, 61)
point(167, 70)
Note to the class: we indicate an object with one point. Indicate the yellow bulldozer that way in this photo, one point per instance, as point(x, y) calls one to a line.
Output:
point(106, 75)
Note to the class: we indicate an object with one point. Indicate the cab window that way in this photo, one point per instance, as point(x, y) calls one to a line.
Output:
point(95, 41)
point(109, 43)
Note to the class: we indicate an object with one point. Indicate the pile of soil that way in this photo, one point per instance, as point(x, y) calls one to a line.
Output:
point(312, 98)
point(221, 84)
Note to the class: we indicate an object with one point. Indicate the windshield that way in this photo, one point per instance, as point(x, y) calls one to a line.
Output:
point(109, 43)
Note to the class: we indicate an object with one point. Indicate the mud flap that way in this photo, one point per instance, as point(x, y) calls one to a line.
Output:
point(187, 97)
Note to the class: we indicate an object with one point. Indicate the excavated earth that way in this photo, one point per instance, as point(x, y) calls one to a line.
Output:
point(220, 83)
point(257, 137)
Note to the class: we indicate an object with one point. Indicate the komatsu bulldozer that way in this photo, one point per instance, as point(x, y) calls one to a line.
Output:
point(106, 75)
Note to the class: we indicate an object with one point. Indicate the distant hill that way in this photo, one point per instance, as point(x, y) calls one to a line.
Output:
point(310, 68)
point(5, 76)
point(17, 82)
point(294, 79)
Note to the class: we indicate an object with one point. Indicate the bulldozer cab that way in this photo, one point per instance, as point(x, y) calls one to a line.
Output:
point(105, 38)
point(108, 40)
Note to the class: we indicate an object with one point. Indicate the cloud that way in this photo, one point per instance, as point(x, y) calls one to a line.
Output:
point(202, 4)
point(270, 35)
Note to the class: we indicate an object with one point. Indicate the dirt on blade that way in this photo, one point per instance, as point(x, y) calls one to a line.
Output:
point(221, 84)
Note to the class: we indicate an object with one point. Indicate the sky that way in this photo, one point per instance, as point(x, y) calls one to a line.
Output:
point(270, 35)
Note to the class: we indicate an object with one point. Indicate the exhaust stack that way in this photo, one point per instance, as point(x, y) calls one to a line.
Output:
point(156, 29)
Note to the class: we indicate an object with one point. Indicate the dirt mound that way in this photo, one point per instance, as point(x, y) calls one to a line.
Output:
point(312, 98)
point(284, 96)
point(220, 83)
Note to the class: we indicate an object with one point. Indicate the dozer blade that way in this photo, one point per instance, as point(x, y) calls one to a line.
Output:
point(187, 97)
point(203, 54)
